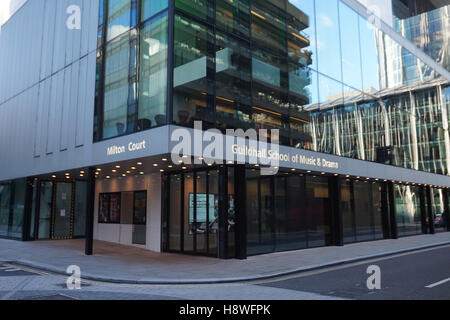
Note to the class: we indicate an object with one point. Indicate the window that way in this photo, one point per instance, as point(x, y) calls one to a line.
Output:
point(190, 71)
point(121, 16)
point(120, 87)
point(233, 98)
point(153, 74)
point(109, 208)
point(195, 7)
point(140, 208)
point(127, 54)
point(233, 16)
point(151, 7)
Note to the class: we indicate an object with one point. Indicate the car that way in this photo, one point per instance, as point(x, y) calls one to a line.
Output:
point(439, 221)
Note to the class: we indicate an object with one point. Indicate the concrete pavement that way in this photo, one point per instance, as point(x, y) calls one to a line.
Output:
point(121, 264)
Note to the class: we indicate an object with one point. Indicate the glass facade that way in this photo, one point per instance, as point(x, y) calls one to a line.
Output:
point(410, 18)
point(133, 44)
point(195, 204)
point(286, 212)
point(12, 208)
point(329, 80)
point(362, 211)
point(324, 76)
point(407, 207)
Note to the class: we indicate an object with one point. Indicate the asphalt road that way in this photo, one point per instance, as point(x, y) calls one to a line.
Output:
point(423, 275)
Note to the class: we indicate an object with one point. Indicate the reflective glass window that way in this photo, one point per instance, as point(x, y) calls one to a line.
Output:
point(269, 24)
point(351, 53)
point(233, 16)
point(370, 54)
point(120, 88)
point(233, 78)
point(195, 7)
point(153, 74)
point(120, 17)
point(301, 22)
point(328, 39)
point(5, 206)
point(190, 73)
point(151, 7)
point(189, 212)
point(174, 219)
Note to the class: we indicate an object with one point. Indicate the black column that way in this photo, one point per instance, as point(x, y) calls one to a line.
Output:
point(423, 210)
point(240, 212)
point(429, 196)
point(446, 216)
point(170, 61)
point(90, 196)
point(392, 212)
point(337, 224)
point(27, 210)
point(223, 213)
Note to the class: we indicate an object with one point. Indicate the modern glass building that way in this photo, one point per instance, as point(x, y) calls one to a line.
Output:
point(90, 118)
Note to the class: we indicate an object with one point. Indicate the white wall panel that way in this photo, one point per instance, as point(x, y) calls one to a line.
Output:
point(85, 18)
point(75, 97)
point(45, 115)
point(46, 91)
point(48, 38)
point(81, 105)
point(93, 25)
point(39, 119)
point(59, 49)
point(76, 39)
point(68, 34)
point(58, 110)
point(52, 116)
point(65, 109)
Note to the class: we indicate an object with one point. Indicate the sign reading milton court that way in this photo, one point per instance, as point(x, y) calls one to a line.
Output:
point(132, 147)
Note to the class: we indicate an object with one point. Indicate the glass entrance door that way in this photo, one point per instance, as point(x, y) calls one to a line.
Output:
point(139, 218)
point(55, 218)
point(199, 214)
point(45, 210)
point(62, 216)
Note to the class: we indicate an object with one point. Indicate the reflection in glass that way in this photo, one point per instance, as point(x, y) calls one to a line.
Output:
point(120, 87)
point(190, 70)
point(174, 220)
point(269, 24)
point(119, 18)
point(407, 206)
point(286, 212)
point(189, 213)
point(233, 99)
point(153, 74)
point(351, 53)
point(233, 16)
point(195, 7)
point(151, 7)
point(328, 39)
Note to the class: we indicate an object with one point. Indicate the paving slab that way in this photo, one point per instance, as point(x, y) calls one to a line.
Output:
point(122, 264)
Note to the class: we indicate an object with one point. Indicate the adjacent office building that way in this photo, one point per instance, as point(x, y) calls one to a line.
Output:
point(90, 116)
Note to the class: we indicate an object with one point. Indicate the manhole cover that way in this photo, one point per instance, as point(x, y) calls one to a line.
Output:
point(50, 297)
